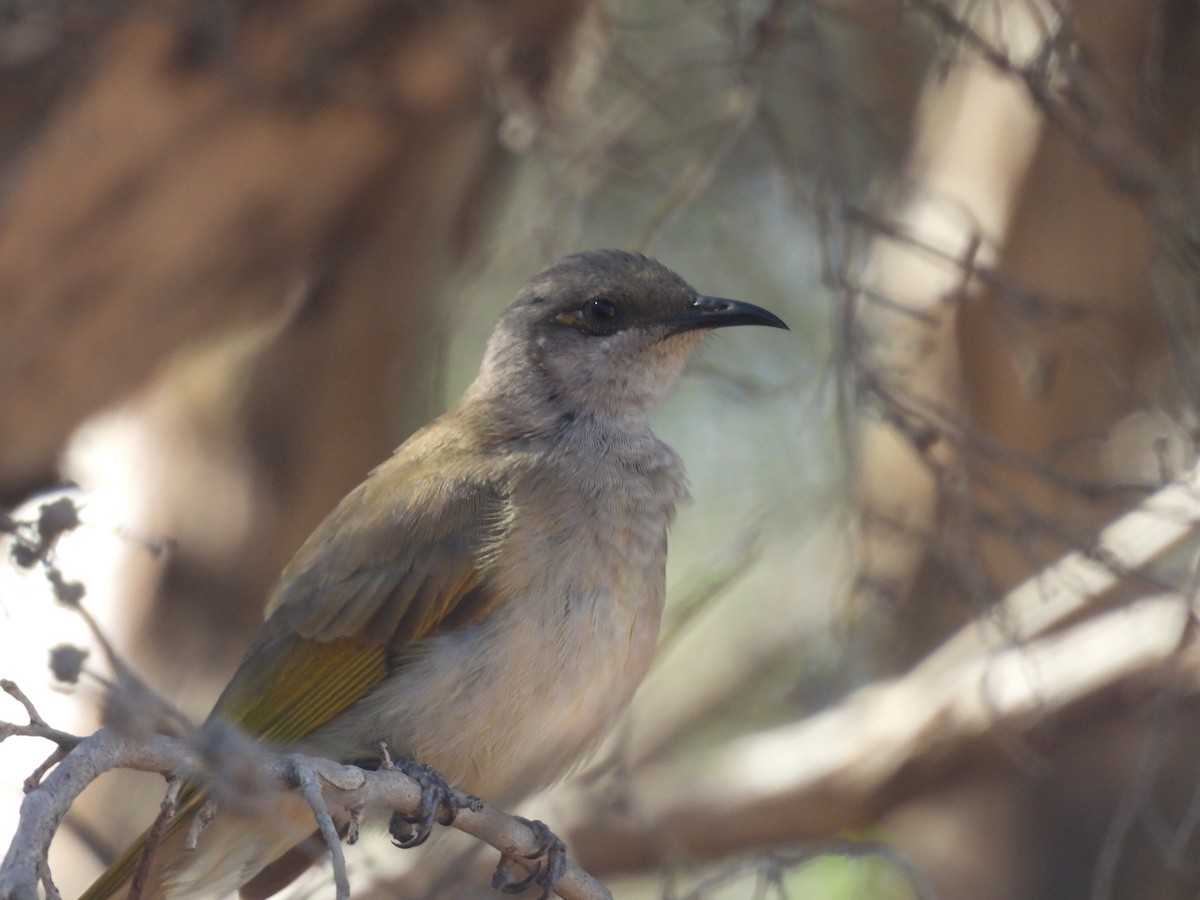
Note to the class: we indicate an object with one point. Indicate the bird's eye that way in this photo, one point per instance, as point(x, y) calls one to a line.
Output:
point(600, 311)
point(598, 316)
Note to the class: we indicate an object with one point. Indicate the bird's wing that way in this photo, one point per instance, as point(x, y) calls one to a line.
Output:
point(403, 557)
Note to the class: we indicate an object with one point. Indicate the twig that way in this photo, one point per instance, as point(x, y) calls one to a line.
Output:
point(37, 726)
point(203, 818)
point(305, 781)
point(167, 810)
point(17, 694)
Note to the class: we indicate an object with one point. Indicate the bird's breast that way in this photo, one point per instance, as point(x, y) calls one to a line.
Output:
point(508, 704)
point(585, 564)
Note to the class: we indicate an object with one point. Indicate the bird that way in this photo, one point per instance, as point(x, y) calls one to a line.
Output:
point(488, 599)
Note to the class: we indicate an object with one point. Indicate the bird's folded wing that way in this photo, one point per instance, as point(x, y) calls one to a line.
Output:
point(403, 557)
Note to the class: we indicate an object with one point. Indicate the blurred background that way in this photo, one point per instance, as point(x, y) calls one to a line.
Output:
point(246, 248)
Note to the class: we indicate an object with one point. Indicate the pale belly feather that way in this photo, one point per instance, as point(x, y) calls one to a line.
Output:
point(509, 704)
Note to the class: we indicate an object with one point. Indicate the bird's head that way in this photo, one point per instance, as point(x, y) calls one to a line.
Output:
point(606, 332)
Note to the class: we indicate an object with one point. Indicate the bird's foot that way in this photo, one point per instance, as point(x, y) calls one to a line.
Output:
point(439, 804)
point(551, 856)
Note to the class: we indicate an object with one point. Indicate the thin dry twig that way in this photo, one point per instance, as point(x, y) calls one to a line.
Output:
point(167, 810)
point(1049, 646)
point(306, 781)
point(37, 727)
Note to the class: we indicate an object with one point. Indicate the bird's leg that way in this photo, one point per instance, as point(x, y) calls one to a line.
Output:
point(439, 802)
point(551, 854)
point(439, 805)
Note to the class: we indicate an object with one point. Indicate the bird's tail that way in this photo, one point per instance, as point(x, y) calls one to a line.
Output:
point(231, 851)
point(115, 880)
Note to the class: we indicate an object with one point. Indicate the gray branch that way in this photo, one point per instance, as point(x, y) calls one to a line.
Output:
point(326, 786)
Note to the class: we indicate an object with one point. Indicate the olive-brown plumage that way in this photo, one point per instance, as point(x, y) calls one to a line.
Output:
point(488, 599)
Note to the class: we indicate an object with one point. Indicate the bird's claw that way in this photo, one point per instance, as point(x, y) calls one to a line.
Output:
point(439, 806)
point(551, 854)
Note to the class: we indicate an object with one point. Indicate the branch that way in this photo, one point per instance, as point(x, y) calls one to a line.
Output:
point(1082, 105)
point(327, 786)
point(980, 695)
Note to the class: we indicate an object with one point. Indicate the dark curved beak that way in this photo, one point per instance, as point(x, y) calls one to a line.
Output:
point(717, 312)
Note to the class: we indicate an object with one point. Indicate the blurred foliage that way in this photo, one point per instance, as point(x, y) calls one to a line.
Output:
point(716, 136)
point(730, 139)
point(683, 156)
point(833, 873)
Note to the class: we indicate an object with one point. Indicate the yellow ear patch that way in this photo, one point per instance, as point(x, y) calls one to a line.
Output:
point(570, 318)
